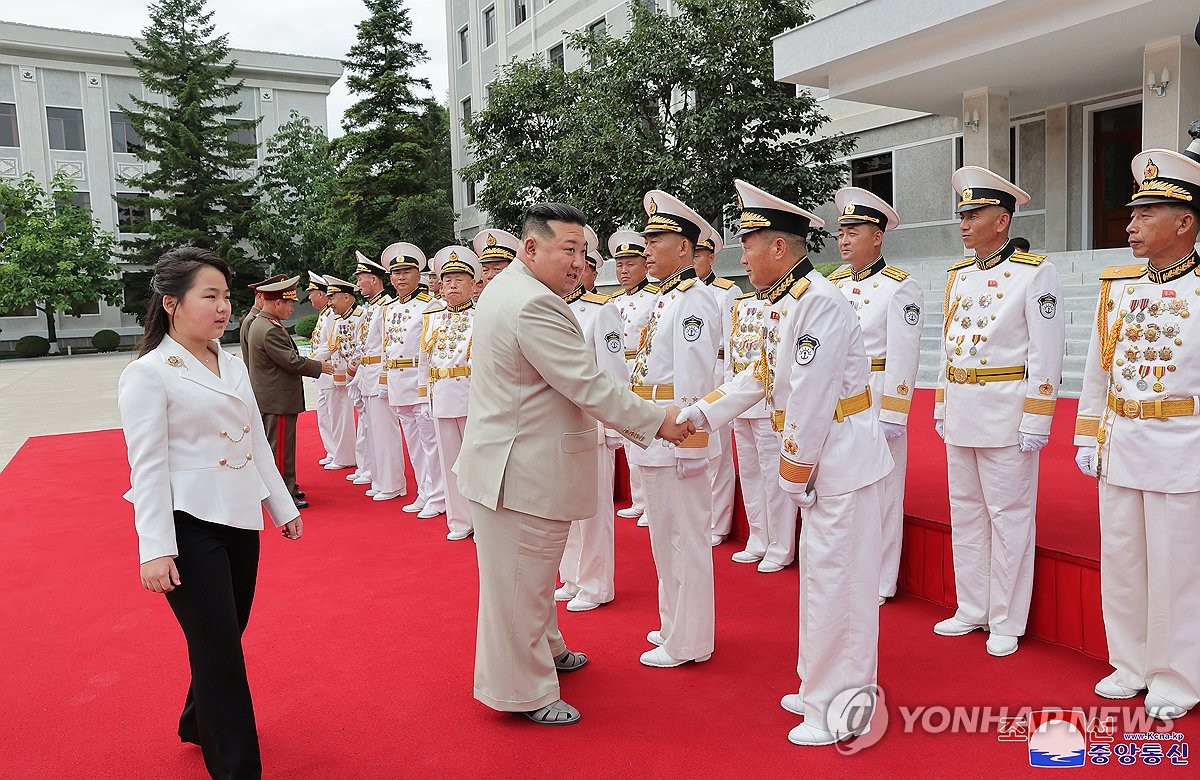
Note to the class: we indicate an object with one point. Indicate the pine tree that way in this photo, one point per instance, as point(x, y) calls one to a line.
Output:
point(395, 157)
point(196, 177)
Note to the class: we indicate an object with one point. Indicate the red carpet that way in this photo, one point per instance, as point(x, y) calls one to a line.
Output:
point(360, 653)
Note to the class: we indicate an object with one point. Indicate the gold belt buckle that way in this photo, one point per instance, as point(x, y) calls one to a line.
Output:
point(960, 375)
point(1131, 408)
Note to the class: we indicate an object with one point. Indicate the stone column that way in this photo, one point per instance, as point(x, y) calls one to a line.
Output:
point(988, 145)
point(1057, 201)
point(1165, 119)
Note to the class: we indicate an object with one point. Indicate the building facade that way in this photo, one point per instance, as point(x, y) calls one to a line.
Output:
point(62, 94)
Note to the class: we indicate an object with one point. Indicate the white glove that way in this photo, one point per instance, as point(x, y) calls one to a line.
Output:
point(803, 500)
point(940, 427)
point(690, 467)
point(1085, 459)
point(614, 443)
point(892, 430)
point(422, 412)
point(383, 394)
point(694, 415)
point(1031, 442)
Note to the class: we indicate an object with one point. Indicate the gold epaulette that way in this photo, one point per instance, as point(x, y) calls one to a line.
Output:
point(359, 311)
point(892, 272)
point(723, 283)
point(424, 296)
point(797, 289)
point(435, 309)
point(1027, 259)
point(651, 288)
point(1123, 272)
point(684, 284)
point(962, 264)
point(840, 273)
point(594, 298)
point(750, 294)
point(617, 294)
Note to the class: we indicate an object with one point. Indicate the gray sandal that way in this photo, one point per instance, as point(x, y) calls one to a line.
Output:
point(569, 662)
point(557, 713)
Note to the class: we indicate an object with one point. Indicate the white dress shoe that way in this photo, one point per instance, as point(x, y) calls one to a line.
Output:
point(746, 557)
point(661, 659)
point(431, 511)
point(415, 506)
point(326, 459)
point(1160, 709)
point(1109, 688)
point(456, 536)
point(331, 466)
point(805, 734)
point(770, 567)
point(655, 638)
point(955, 627)
point(1000, 645)
point(792, 703)
point(565, 593)
point(361, 480)
point(631, 511)
point(353, 475)
point(643, 522)
point(389, 496)
point(716, 539)
point(372, 492)
point(578, 604)
point(882, 600)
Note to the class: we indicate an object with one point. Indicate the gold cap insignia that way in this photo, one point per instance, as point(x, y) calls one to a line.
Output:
point(491, 240)
point(624, 247)
point(454, 255)
point(1151, 171)
point(174, 361)
point(967, 194)
point(653, 207)
point(849, 209)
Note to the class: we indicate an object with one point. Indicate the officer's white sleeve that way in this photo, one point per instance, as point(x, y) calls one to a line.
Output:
point(694, 360)
point(1094, 395)
point(939, 393)
point(1047, 338)
point(903, 351)
point(814, 388)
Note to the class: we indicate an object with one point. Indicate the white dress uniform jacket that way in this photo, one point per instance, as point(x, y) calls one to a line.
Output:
point(635, 308)
point(196, 443)
point(370, 354)
point(402, 322)
point(445, 367)
point(320, 335)
point(721, 469)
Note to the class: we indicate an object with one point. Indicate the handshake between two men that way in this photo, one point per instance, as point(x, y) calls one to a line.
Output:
point(675, 428)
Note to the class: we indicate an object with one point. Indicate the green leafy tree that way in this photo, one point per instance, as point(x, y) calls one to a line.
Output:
point(294, 229)
point(685, 102)
point(53, 255)
point(395, 178)
point(197, 175)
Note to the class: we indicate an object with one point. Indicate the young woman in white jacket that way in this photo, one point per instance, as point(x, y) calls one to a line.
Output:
point(201, 471)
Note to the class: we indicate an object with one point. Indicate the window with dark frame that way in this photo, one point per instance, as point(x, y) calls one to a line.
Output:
point(65, 129)
point(131, 216)
point(469, 191)
point(81, 200)
point(520, 11)
point(598, 29)
point(23, 311)
point(124, 137)
point(489, 26)
point(464, 46)
point(8, 125)
point(243, 130)
point(91, 307)
point(466, 109)
point(874, 174)
point(558, 57)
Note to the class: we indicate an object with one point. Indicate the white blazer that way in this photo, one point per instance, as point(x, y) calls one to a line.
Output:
point(196, 443)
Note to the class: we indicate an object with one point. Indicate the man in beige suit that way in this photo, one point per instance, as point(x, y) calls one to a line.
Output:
point(528, 462)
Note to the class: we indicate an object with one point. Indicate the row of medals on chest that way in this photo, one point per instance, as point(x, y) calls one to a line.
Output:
point(751, 331)
point(451, 332)
point(966, 321)
point(397, 324)
point(1136, 328)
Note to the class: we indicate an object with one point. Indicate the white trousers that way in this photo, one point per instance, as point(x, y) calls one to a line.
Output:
point(449, 440)
point(341, 425)
point(893, 516)
point(680, 514)
point(324, 423)
point(588, 560)
point(839, 606)
point(993, 497)
point(387, 447)
point(362, 446)
point(636, 494)
point(721, 476)
point(771, 514)
point(1150, 591)
point(517, 638)
point(421, 437)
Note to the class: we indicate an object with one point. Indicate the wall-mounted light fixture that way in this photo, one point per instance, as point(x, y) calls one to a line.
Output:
point(1159, 87)
point(972, 122)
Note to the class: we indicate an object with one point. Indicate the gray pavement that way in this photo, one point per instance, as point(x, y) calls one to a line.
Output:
point(65, 394)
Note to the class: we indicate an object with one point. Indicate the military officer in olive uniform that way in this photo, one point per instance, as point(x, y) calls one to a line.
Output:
point(634, 301)
point(1137, 427)
point(890, 311)
point(1003, 338)
point(244, 327)
point(276, 370)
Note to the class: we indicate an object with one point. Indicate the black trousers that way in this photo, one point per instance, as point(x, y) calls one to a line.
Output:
point(218, 569)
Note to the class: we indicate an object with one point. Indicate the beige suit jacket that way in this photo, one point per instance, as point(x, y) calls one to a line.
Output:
point(530, 440)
